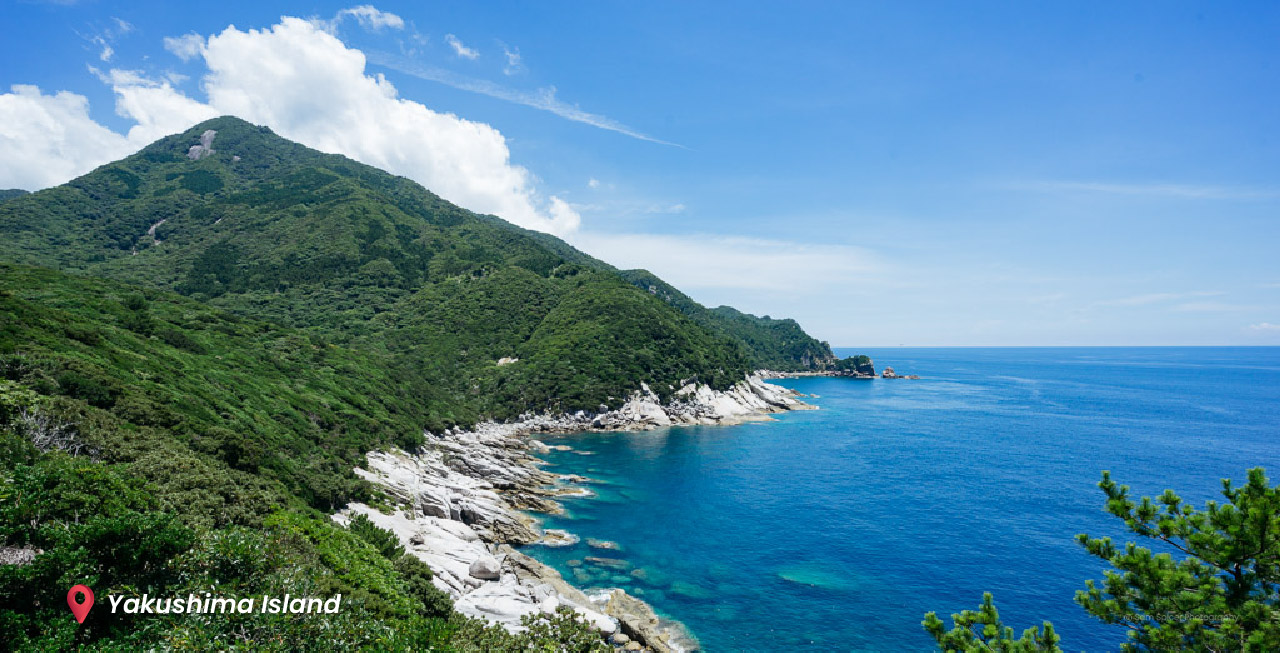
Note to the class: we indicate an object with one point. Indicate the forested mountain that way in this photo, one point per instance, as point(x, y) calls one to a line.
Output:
point(266, 228)
point(219, 327)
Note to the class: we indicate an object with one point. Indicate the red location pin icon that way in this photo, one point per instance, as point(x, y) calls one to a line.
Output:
point(80, 610)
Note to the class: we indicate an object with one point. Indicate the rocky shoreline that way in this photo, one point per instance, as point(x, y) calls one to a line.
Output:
point(462, 504)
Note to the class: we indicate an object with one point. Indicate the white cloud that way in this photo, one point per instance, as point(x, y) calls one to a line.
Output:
point(460, 49)
point(104, 38)
point(593, 183)
point(156, 107)
point(371, 17)
point(186, 47)
point(699, 261)
point(316, 92)
point(1265, 327)
point(563, 214)
point(544, 98)
point(49, 139)
point(514, 64)
point(306, 85)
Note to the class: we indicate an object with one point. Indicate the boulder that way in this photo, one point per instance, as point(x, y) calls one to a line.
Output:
point(486, 568)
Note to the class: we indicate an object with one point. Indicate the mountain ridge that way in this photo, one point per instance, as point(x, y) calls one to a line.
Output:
point(200, 343)
point(270, 229)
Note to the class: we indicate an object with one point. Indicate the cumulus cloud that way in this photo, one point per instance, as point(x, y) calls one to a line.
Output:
point(593, 183)
point(304, 83)
point(49, 139)
point(316, 92)
point(156, 107)
point(460, 49)
point(186, 47)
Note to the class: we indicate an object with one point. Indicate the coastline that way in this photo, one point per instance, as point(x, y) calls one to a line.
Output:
point(463, 504)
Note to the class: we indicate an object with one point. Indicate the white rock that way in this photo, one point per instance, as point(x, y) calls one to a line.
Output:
point(464, 487)
point(486, 568)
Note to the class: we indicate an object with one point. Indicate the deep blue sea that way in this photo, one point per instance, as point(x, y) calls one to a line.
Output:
point(837, 529)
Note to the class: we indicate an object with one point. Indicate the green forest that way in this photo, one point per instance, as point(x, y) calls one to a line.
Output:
point(196, 354)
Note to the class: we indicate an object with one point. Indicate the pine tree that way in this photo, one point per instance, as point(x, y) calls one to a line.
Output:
point(1218, 592)
point(1216, 587)
point(983, 632)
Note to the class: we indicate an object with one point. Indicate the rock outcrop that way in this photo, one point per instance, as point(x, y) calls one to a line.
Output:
point(461, 504)
point(204, 147)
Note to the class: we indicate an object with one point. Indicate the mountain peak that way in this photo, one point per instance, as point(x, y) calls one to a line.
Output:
point(230, 213)
point(230, 134)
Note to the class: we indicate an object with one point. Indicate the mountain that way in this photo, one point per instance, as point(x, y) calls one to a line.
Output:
point(266, 228)
point(10, 193)
point(199, 343)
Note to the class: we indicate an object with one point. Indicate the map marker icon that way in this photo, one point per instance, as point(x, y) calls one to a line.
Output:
point(80, 610)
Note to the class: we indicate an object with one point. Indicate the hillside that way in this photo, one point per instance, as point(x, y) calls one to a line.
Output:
point(200, 344)
point(769, 343)
point(153, 444)
point(166, 383)
point(269, 229)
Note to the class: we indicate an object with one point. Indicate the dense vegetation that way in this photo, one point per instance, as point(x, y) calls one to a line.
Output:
point(152, 444)
point(1215, 587)
point(259, 412)
point(195, 354)
point(95, 524)
point(768, 343)
point(10, 193)
point(272, 230)
point(860, 364)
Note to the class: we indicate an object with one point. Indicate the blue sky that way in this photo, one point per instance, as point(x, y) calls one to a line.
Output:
point(892, 173)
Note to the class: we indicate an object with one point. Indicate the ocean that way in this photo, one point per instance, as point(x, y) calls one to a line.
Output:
point(837, 529)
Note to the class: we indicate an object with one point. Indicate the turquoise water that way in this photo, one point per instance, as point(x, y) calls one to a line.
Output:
point(837, 529)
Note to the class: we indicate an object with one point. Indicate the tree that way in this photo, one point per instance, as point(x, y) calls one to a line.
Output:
point(982, 631)
point(1219, 593)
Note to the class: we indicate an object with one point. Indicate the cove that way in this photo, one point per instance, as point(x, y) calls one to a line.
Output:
point(837, 529)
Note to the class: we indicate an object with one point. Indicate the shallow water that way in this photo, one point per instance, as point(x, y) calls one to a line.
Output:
point(837, 529)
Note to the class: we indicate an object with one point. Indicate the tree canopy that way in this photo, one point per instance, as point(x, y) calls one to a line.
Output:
point(1212, 582)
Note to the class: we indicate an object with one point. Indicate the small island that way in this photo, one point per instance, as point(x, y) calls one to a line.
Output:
point(862, 367)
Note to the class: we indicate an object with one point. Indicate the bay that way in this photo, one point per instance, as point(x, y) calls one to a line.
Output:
point(837, 529)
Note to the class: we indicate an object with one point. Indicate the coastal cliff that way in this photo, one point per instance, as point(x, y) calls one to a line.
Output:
point(462, 501)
